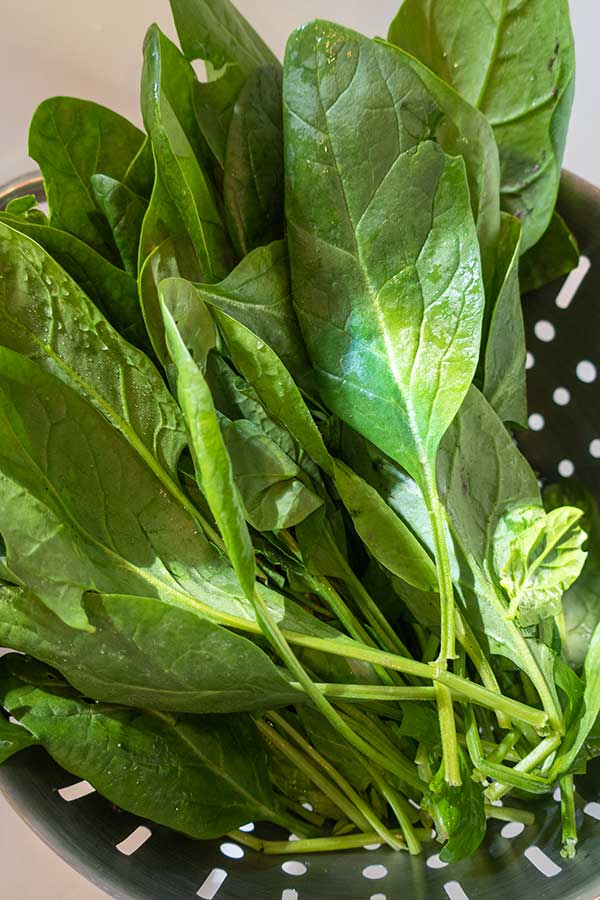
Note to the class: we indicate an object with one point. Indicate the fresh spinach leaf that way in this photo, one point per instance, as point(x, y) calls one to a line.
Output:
point(516, 63)
point(555, 254)
point(581, 603)
point(169, 118)
point(253, 185)
point(258, 294)
point(460, 811)
point(13, 739)
point(383, 533)
point(269, 482)
point(505, 382)
point(537, 557)
point(216, 31)
point(112, 290)
point(66, 334)
point(21, 205)
point(124, 212)
point(71, 140)
point(153, 764)
point(214, 102)
point(139, 177)
point(146, 653)
point(328, 742)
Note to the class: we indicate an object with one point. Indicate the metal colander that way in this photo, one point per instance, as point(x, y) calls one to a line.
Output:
point(134, 860)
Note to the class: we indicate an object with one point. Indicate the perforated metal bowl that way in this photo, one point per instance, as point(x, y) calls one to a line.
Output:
point(563, 327)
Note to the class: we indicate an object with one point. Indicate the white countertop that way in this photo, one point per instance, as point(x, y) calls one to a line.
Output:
point(93, 50)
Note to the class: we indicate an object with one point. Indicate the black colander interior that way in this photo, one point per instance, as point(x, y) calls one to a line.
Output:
point(135, 860)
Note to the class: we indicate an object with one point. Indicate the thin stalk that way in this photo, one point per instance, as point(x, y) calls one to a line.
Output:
point(437, 518)
point(569, 823)
point(320, 845)
point(378, 738)
point(373, 692)
point(316, 775)
point(356, 801)
point(398, 805)
point(470, 645)
point(509, 814)
point(530, 762)
point(312, 818)
point(502, 750)
point(448, 734)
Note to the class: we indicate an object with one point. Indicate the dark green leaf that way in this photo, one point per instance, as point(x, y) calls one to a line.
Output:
point(139, 177)
point(21, 205)
point(211, 460)
point(537, 557)
point(254, 178)
point(124, 212)
point(214, 102)
point(384, 534)
point(112, 290)
point(169, 117)
point(64, 332)
point(214, 30)
point(461, 812)
point(71, 140)
point(515, 63)
point(505, 383)
point(154, 764)
point(146, 653)
point(554, 255)
point(391, 306)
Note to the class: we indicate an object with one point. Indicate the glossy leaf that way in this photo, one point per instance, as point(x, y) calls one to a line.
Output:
point(216, 31)
point(65, 334)
point(71, 140)
point(461, 812)
point(555, 254)
point(146, 653)
point(213, 103)
point(139, 177)
point(118, 532)
point(257, 293)
point(167, 81)
point(392, 324)
point(124, 212)
point(505, 382)
point(515, 62)
point(153, 764)
point(20, 205)
point(211, 459)
point(112, 290)
point(253, 185)
point(382, 532)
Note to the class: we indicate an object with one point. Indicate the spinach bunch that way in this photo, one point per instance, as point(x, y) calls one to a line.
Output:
point(268, 549)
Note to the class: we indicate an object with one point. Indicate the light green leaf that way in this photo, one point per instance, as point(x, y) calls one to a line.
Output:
point(71, 140)
point(66, 335)
point(253, 186)
point(392, 323)
point(216, 31)
point(211, 459)
point(505, 382)
point(537, 557)
point(124, 212)
point(384, 534)
point(515, 62)
point(555, 254)
point(146, 653)
point(153, 764)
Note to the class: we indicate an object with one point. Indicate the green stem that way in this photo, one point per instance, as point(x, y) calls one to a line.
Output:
point(569, 823)
point(437, 517)
point(397, 804)
point(509, 814)
point(471, 646)
point(355, 799)
point(449, 737)
point(373, 692)
point(320, 845)
point(312, 818)
point(530, 762)
point(502, 750)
